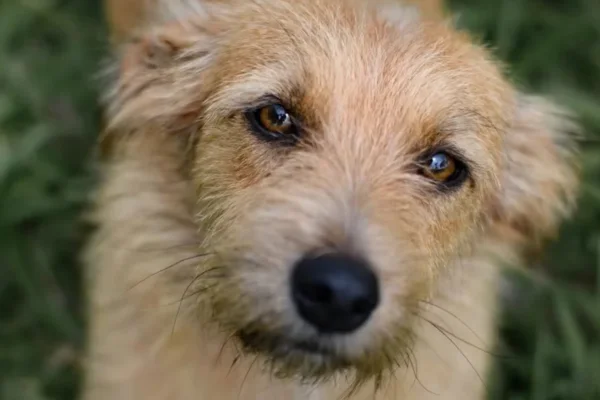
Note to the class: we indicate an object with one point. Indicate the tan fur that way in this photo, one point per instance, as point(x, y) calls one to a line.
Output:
point(124, 17)
point(200, 222)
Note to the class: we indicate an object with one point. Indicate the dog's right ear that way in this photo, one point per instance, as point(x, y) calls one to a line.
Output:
point(125, 16)
point(158, 78)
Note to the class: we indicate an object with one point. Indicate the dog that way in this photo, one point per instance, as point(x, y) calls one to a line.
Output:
point(310, 199)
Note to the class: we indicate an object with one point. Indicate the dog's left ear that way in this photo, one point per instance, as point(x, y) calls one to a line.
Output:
point(540, 174)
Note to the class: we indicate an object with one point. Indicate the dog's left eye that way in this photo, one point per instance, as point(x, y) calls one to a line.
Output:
point(444, 168)
point(273, 122)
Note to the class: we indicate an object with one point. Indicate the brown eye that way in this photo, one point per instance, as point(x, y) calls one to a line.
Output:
point(274, 118)
point(443, 168)
point(273, 122)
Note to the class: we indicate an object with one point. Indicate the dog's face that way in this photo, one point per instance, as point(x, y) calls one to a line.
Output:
point(345, 158)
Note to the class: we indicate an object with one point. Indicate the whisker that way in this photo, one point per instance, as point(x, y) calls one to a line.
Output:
point(196, 293)
point(456, 317)
point(393, 372)
point(162, 249)
point(235, 360)
point(437, 326)
point(222, 349)
point(409, 363)
point(462, 354)
point(246, 376)
point(196, 278)
point(434, 351)
point(170, 266)
point(412, 359)
point(193, 294)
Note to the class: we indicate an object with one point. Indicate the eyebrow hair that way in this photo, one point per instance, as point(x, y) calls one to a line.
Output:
point(470, 122)
point(469, 119)
point(248, 89)
point(480, 119)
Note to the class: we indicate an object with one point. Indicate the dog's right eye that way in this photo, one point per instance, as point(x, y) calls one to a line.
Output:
point(273, 122)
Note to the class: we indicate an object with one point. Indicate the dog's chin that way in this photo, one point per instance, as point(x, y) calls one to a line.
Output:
point(308, 360)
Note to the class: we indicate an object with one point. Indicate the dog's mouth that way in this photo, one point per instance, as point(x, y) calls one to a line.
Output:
point(311, 359)
point(278, 345)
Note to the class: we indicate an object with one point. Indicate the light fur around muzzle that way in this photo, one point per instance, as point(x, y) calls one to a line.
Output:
point(200, 222)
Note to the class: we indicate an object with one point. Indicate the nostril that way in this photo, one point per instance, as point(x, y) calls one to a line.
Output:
point(362, 306)
point(334, 292)
point(317, 293)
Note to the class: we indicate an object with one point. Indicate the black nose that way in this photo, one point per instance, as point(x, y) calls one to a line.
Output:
point(335, 293)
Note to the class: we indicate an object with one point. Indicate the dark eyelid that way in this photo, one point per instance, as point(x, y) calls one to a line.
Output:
point(448, 149)
point(270, 99)
point(267, 100)
point(463, 162)
point(289, 139)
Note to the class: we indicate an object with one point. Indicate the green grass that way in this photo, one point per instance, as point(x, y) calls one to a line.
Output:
point(50, 51)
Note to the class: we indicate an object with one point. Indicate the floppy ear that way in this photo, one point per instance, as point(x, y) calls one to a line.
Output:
point(540, 174)
point(158, 77)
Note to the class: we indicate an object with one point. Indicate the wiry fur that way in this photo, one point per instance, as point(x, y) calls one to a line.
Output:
point(200, 221)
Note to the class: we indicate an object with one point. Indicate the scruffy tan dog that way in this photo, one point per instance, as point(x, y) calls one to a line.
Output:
point(311, 199)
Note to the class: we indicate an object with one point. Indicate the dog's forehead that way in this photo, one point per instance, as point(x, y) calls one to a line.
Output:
point(363, 69)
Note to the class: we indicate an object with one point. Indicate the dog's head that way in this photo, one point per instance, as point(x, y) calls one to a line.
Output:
point(346, 156)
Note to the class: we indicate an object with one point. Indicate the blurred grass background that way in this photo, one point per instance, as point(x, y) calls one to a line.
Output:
point(50, 52)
